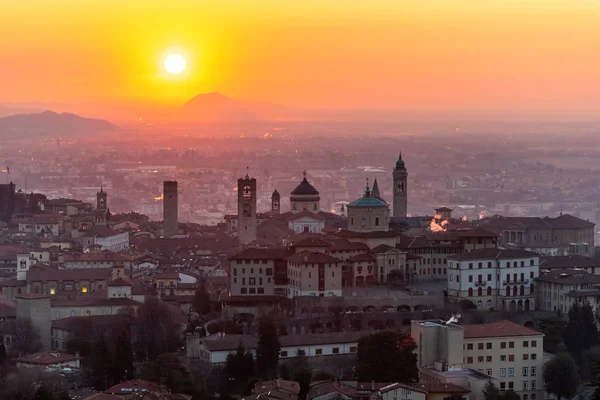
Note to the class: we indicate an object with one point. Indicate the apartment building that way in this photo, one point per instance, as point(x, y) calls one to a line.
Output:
point(494, 278)
point(470, 355)
point(559, 289)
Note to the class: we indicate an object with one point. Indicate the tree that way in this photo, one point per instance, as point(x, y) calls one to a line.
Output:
point(157, 325)
point(387, 356)
point(491, 391)
point(337, 314)
point(595, 383)
point(27, 338)
point(581, 331)
point(267, 351)
point(560, 376)
point(168, 369)
point(123, 359)
point(553, 329)
point(3, 360)
point(239, 368)
point(101, 365)
point(510, 395)
point(303, 376)
point(201, 300)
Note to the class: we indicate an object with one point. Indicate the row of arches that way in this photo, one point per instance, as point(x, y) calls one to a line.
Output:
point(366, 309)
point(514, 291)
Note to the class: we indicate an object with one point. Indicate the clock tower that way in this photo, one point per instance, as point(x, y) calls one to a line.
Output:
point(400, 176)
point(101, 200)
point(247, 209)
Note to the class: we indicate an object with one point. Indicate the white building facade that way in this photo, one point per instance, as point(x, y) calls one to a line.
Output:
point(494, 279)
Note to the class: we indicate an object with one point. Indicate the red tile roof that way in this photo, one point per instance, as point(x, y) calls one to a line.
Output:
point(361, 257)
point(479, 232)
point(311, 242)
point(437, 387)
point(497, 329)
point(119, 282)
point(47, 358)
point(133, 386)
point(167, 275)
point(102, 396)
point(60, 275)
point(309, 257)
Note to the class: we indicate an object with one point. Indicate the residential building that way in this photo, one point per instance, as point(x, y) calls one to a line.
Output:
point(504, 352)
point(105, 238)
point(214, 349)
point(314, 274)
point(494, 279)
point(559, 289)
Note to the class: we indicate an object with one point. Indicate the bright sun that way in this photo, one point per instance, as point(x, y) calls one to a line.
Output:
point(175, 63)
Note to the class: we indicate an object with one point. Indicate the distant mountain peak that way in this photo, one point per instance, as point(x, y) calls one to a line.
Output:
point(217, 106)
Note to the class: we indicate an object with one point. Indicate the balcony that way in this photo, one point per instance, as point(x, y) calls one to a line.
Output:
point(482, 283)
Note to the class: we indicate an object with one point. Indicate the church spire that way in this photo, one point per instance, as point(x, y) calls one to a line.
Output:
point(375, 191)
point(367, 190)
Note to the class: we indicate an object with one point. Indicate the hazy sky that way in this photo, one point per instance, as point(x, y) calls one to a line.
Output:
point(541, 55)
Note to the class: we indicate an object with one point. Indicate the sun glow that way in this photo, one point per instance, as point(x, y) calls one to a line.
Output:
point(175, 63)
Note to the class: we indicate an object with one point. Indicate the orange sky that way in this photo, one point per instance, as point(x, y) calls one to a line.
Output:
point(538, 55)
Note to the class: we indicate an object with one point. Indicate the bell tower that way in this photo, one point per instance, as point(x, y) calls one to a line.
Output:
point(400, 176)
point(247, 209)
point(101, 200)
point(275, 203)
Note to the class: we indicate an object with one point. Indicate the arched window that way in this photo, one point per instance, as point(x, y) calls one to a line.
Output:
point(507, 291)
point(489, 291)
point(525, 397)
point(376, 221)
point(252, 290)
point(515, 291)
point(531, 289)
point(480, 291)
point(533, 396)
point(522, 290)
point(470, 292)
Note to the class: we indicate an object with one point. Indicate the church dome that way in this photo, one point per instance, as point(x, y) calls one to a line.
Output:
point(275, 194)
point(368, 200)
point(304, 188)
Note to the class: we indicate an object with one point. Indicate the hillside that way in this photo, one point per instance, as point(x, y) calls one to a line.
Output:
point(49, 122)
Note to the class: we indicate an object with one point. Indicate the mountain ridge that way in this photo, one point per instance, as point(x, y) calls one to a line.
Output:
point(53, 122)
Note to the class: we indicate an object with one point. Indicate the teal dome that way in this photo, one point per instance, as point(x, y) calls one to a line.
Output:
point(368, 202)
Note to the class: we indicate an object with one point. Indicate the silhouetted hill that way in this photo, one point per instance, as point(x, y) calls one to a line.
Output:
point(51, 122)
point(217, 107)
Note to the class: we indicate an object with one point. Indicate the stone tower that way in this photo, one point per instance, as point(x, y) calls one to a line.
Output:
point(400, 188)
point(36, 308)
point(101, 200)
point(247, 209)
point(170, 208)
point(275, 202)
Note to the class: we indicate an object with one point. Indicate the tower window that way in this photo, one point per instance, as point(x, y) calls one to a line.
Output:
point(247, 192)
point(401, 186)
point(305, 207)
point(376, 221)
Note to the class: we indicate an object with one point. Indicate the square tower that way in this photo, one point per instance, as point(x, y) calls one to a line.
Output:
point(247, 209)
point(170, 208)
